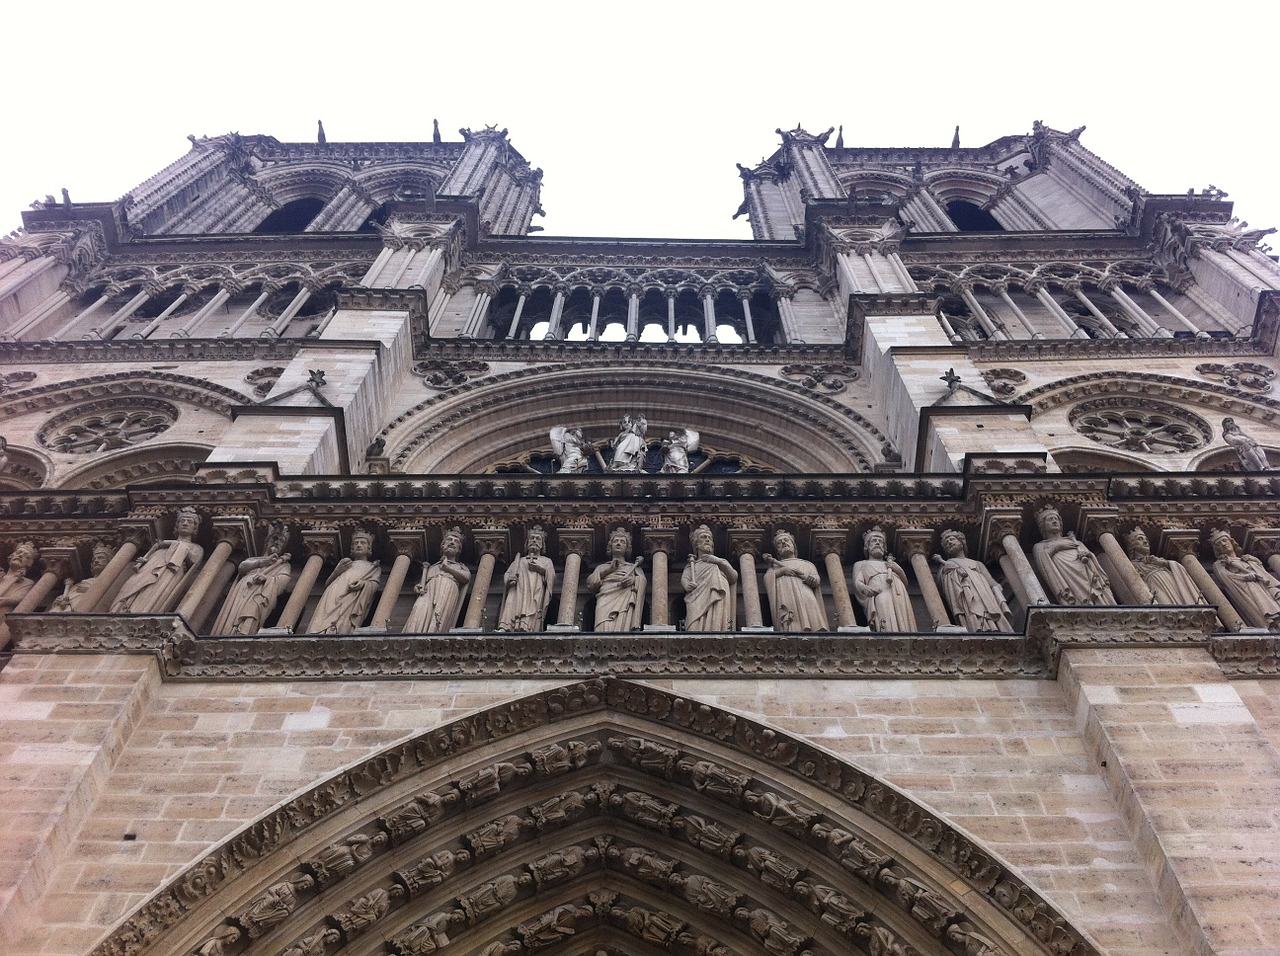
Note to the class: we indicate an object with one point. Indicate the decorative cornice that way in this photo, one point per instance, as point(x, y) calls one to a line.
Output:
point(1051, 630)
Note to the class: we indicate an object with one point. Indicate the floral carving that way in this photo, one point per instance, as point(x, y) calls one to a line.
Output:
point(444, 375)
point(1148, 427)
point(105, 426)
point(1246, 375)
point(831, 379)
point(264, 379)
point(1004, 382)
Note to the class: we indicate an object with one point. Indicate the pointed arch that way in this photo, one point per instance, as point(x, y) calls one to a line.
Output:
point(602, 812)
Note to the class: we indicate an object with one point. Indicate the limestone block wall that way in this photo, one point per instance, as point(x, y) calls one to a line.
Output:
point(182, 765)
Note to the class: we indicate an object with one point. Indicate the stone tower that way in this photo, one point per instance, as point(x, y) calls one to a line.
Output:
point(384, 577)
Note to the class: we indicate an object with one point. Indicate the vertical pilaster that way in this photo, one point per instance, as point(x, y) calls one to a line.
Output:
point(575, 544)
point(492, 544)
point(322, 545)
point(745, 545)
point(660, 543)
point(915, 545)
point(828, 543)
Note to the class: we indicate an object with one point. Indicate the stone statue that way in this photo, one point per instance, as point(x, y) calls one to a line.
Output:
point(494, 895)
point(529, 581)
point(350, 590)
point(552, 926)
point(653, 926)
point(970, 942)
point(14, 583)
point(1254, 592)
point(644, 864)
point(1070, 570)
point(970, 591)
point(619, 586)
point(417, 814)
point(655, 758)
point(367, 910)
point(1251, 454)
point(429, 934)
point(785, 814)
point(707, 835)
point(1168, 580)
point(768, 866)
point(496, 834)
point(572, 450)
point(793, 587)
point(338, 859)
point(562, 810)
point(216, 945)
point(563, 864)
point(317, 944)
point(273, 906)
point(833, 908)
point(442, 589)
point(881, 586)
point(676, 449)
point(258, 587)
point(644, 809)
point(487, 783)
point(164, 572)
point(855, 855)
point(71, 600)
point(555, 759)
point(706, 894)
point(710, 586)
point(629, 447)
point(432, 870)
point(881, 941)
point(776, 935)
point(715, 780)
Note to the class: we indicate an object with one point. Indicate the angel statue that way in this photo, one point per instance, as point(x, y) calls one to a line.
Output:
point(629, 447)
point(571, 448)
point(676, 448)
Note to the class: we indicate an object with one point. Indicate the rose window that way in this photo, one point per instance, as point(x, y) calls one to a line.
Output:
point(88, 429)
point(1153, 428)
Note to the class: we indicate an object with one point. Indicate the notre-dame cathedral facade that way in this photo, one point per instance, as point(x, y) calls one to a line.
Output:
point(382, 576)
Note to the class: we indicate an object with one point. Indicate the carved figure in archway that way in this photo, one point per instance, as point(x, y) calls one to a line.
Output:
point(258, 587)
point(775, 934)
point(350, 590)
point(274, 905)
point(432, 870)
point(442, 589)
point(793, 587)
point(563, 864)
point(71, 600)
point(1168, 580)
point(676, 449)
point(706, 893)
point(1069, 569)
point(163, 572)
point(710, 586)
point(317, 944)
point(429, 934)
point(216, 945)
point(572, 449)
point(619, 586)
point(338, 859)
point(971, 592)
point(881, 586)
point(528, 581)
point(1254, 592)
point(553, 926)
point(629, 446)
point(367, 910)
point(833, 908)
point(1251, 454)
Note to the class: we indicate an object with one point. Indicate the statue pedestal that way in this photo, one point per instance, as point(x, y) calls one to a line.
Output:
point(757, 629)
point(950, 629)
point(371, 629)
point(563, 629)
point(659, 628)
point(466, 630)
point(853, 629)
point(275, 632)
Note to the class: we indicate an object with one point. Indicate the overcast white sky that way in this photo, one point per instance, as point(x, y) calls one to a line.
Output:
point(638, 112)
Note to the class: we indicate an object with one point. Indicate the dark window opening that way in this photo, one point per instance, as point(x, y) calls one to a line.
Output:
point(291, 217)
point(971, 218)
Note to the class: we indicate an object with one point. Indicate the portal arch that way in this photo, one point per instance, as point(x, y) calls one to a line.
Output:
point(602, 812)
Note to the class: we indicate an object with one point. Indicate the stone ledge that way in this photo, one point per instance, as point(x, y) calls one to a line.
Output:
point(183, 655)
point(1050, 630)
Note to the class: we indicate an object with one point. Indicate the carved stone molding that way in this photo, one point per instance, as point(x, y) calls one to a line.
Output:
point(1051, 630)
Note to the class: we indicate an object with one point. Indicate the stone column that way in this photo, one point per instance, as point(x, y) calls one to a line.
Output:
point(660, 543)
point(293, 308)
point(671, 315)
point(491, 543)
point(557, 314)
point(515, 319)
point(156, 322)
point(122, 314)
point(200, 616)
point(321, 544)
point(1002, 289)
point(828, 543)
point(1069, 326)
point(1106, 323)
point(60, 562)
point(593, 329)
point(745, 545)
point(1138, 313)
point(633, 314)
point(479, 309)
point(575, 544)
point(65, 330)
point(221, 296)
point(1180, 544)
point(117, 566)
point(409, 545)
point(246, 315)
point(992, 328)
point(709, 316)
point(371, 277)
point(204, 580)
point(787, 314)
point(915, 545)
point(745, 298)
point(1022, 570)
point(1124, 569)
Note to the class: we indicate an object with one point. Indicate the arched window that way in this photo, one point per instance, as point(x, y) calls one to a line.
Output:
point(291, 217)
point(970, 217)
point(376, 218)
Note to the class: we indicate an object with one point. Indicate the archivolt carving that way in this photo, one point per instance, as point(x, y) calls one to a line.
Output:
point(124, 385)
point(810, 432)
point(162, 463)
point(1206, 395)
point(718, 835)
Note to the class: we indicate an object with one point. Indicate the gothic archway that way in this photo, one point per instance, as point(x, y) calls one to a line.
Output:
point(601, 816)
